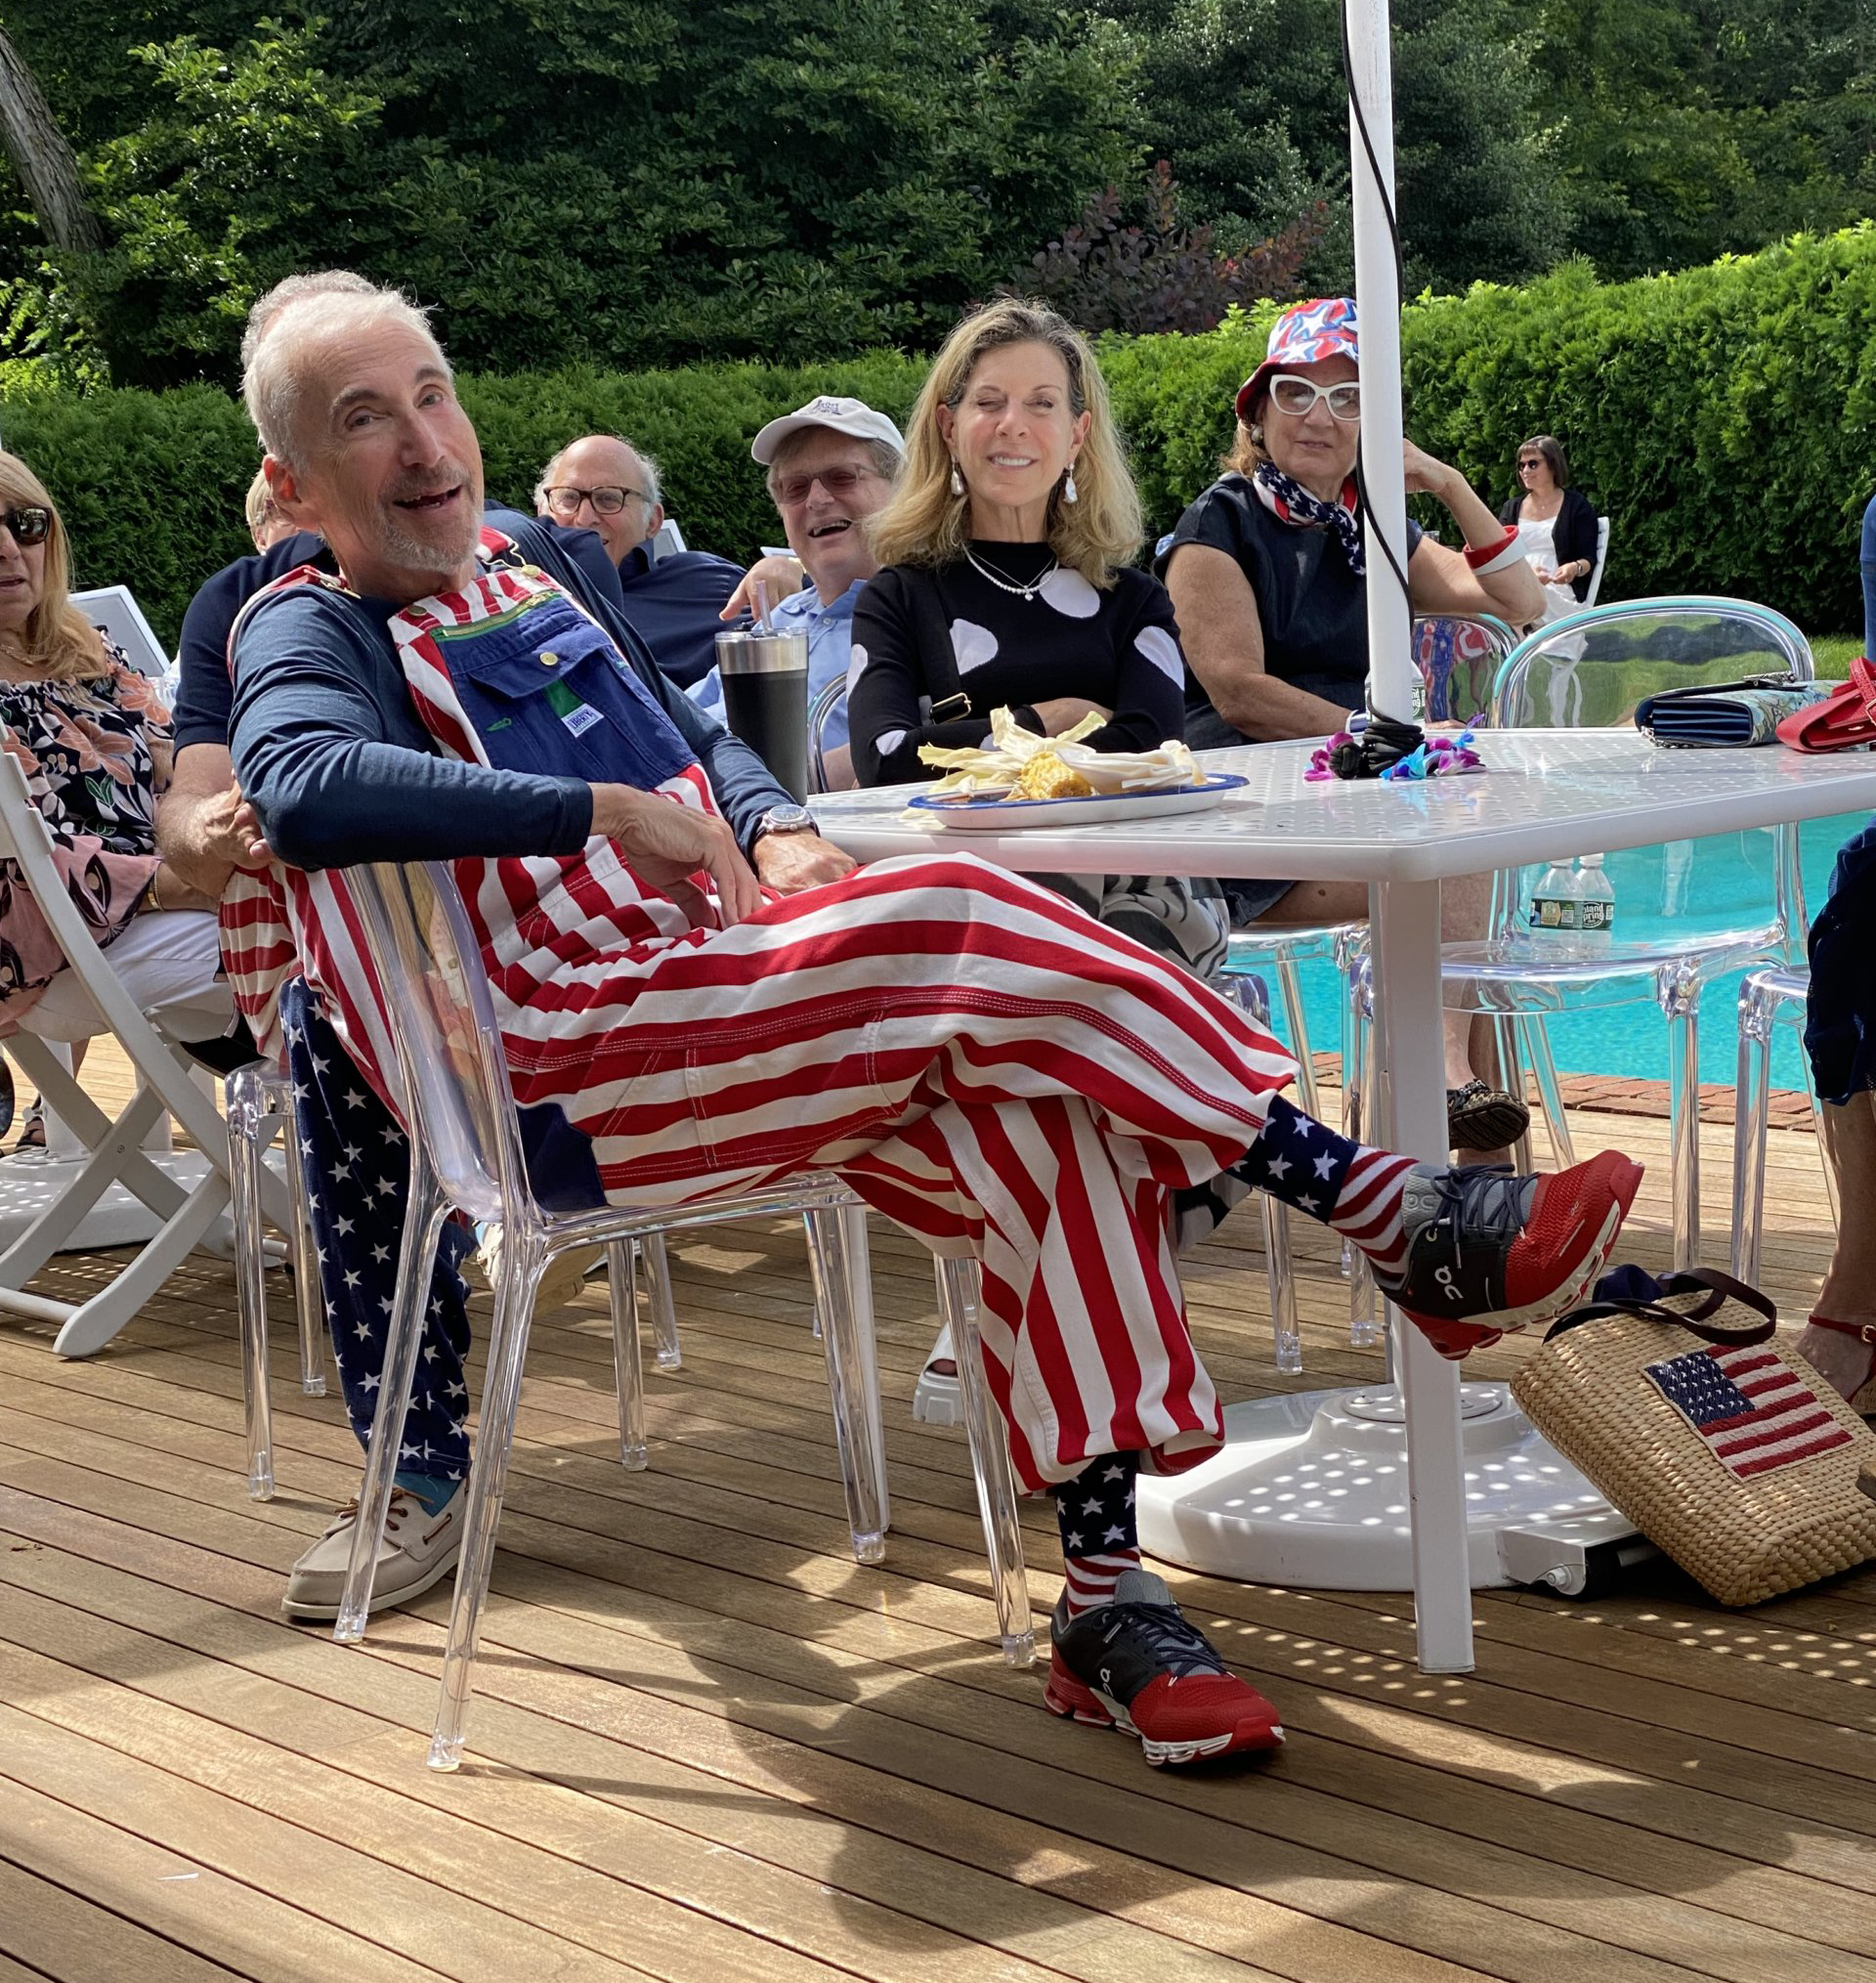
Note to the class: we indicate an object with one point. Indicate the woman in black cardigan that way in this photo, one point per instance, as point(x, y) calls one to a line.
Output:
point(1555, 526)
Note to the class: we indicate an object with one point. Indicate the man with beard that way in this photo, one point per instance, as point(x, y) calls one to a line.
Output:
point(1004, 1076)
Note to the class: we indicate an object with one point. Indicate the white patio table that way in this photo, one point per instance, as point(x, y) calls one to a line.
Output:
point(1548, 794)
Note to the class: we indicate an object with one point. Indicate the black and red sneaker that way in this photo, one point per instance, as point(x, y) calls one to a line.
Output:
point(1487, 1251)
point(1137, 1666)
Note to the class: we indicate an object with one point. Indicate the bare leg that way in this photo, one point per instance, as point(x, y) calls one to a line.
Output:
point(1848, 1131)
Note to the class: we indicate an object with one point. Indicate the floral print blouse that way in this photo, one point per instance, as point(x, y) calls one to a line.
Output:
point(92, 752)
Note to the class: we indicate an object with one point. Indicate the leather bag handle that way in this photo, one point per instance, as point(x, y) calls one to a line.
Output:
point(1714, 1288)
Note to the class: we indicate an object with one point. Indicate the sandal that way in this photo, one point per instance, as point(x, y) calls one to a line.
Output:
point(1844, 1352)
point(6, 1095)
point(1481, 1118)
point(939, 1399)
point(33, 1131)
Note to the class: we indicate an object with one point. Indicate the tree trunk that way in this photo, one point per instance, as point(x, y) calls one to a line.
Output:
point(40, 155)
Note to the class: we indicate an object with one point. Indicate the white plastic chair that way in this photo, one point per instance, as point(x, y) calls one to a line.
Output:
point(1601, 559)
point(1586, 671)
point(465, 1150)
point(116, 1153)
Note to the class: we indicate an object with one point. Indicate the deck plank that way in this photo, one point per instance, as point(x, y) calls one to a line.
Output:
point(708, 1746)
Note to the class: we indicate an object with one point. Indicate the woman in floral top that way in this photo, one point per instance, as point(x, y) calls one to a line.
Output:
point(94, 744)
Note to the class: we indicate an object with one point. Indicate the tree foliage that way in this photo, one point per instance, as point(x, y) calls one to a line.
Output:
point(625, 181)
point(1154, 271)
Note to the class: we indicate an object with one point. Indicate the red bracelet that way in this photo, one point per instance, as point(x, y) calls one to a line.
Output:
point(1494, 557)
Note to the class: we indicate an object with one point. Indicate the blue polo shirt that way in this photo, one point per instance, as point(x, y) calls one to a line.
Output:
point(674, 606)
point(830, 630)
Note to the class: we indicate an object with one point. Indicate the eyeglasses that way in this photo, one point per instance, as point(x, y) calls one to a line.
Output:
point(607, 500)
point(791, 491)
point(29, 527)
point(1298, 397)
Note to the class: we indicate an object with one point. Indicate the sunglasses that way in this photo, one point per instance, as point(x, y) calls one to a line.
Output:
point(28, 527)
point(791, 491)
point(1531, 461)
point(1298, 397)
point(606, 499)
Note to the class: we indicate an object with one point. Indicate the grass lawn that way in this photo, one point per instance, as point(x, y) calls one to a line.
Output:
point(1834, 653)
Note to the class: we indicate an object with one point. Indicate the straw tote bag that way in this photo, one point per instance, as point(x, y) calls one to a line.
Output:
point(1730, 1453)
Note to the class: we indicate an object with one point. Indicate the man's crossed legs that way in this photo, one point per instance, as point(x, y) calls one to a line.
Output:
point(1009, 1080)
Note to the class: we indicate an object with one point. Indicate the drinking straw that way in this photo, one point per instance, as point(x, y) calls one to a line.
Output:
point(762, 607)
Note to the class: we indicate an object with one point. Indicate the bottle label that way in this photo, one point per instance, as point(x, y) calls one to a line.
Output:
point(1599, 918)
point(1551, 912)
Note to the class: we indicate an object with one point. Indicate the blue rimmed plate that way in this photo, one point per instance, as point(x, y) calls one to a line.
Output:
point(1011, 815)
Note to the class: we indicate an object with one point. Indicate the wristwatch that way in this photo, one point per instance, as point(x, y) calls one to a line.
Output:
point(783, 819)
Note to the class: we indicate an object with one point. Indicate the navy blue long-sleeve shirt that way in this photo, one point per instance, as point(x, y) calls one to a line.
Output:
point(320, 715)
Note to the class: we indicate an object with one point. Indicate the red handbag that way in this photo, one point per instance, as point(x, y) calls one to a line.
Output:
point(1842, 721)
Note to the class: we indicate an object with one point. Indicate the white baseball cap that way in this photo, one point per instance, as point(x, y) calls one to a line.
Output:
point(845, 416)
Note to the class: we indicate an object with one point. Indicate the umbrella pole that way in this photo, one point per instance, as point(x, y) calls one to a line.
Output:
point(1395, 688)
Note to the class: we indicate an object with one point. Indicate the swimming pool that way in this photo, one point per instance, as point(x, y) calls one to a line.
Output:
point(1690, 886)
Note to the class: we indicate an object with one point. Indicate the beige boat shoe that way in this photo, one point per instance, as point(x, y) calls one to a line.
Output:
point(420, 1549)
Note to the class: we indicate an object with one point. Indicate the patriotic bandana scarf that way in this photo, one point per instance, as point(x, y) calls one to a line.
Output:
point(1286, 498)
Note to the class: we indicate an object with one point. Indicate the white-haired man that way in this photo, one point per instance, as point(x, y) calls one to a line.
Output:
point(603, 483)
point(831, 465)
point(984, 1063)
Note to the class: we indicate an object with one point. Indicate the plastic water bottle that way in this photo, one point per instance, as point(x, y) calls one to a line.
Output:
point(1553, 907)
point(1595, 905)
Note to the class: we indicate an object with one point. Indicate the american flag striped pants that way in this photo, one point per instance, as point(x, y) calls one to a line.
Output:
point(995, 1071)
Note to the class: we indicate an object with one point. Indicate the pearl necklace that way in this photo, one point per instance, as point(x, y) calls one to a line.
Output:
point(1005, 583)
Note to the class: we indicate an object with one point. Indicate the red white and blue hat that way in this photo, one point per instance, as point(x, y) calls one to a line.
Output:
point(1304, 335)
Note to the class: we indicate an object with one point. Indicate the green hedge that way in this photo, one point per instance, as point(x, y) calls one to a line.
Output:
point(1722, 417)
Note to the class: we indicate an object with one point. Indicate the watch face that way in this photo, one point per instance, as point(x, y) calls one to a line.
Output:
point(788, 819)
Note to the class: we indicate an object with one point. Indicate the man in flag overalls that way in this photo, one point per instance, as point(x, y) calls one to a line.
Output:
point(979, 1060)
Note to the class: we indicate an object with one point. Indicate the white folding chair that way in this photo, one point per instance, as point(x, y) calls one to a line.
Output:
point(116, 1155)
point(1601, 559)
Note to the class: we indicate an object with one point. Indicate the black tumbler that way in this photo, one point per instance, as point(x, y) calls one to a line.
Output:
point(765, 700)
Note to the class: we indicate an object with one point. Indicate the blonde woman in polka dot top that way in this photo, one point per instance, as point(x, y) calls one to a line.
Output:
point(1007, 581)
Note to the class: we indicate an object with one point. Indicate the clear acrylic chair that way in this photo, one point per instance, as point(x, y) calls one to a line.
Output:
point(832, 696)
point(1678, 928)
point(260, 1104)
point(465, 1152)
point(1768, 1000)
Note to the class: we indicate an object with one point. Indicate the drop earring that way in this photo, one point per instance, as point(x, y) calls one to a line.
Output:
point(957, 480)
point(1069, 494)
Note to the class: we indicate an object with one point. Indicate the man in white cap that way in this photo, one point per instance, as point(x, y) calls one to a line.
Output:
point(831, 465)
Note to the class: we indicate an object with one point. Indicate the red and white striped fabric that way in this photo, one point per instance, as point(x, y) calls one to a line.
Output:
point(983, 1063)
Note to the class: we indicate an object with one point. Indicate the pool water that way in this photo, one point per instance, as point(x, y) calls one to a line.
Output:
point(1690, 887)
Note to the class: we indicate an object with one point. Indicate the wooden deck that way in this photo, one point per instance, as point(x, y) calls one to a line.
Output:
point(709, 1747)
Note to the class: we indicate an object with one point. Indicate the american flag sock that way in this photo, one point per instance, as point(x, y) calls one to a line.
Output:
point(1353, 1189)
point(1096, 1510)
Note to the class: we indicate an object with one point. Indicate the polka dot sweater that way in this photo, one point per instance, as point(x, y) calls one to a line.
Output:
point(924, 638)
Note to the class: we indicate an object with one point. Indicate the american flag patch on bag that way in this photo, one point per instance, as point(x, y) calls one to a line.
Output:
point(1753, 1410)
